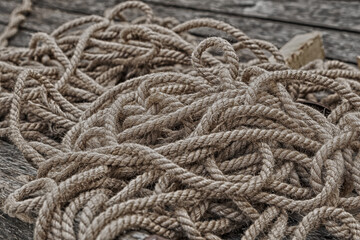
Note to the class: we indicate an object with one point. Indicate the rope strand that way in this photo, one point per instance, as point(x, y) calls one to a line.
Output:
point(133, 124)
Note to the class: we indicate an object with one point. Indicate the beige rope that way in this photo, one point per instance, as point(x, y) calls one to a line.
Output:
point(131, 124)
point(16, 18)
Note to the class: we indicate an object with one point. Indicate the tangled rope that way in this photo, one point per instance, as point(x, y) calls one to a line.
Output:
point(16, 18)
point(133, 125)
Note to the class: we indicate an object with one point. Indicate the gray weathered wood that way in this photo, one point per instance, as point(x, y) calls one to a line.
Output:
point(339, 15)
point(12, 166)
point(341, 45)
point(40, 19)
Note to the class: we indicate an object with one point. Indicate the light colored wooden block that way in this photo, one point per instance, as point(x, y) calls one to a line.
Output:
point(303, 49)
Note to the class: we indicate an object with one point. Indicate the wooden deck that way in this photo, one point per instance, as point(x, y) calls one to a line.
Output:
point(276, 21)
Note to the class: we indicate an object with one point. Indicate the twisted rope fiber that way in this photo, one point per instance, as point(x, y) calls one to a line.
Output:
point(16, 18)
point(132, 124)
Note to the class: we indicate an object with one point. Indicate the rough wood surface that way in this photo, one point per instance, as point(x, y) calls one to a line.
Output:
point(274, 21)
point(340, 15)
point(12, 166)
point(303, 49)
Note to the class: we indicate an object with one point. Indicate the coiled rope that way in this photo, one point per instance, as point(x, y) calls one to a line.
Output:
point(133, 125)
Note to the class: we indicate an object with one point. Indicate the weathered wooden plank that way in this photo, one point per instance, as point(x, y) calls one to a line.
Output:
point(305, 12)
point(40, 19)
point(21, 38)
point(341, 45)
point(303, 49)
point(340, 15)
point(12, 165)
point(14, 229)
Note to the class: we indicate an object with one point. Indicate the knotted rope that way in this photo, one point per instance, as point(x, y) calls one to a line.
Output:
point(133, 125)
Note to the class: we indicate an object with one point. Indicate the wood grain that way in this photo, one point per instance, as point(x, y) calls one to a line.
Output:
point(339, 15)
point(342, 44)
point(12, 166)
point(303, 49)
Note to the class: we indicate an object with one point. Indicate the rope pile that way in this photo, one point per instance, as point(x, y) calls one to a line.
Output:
point(132, 125)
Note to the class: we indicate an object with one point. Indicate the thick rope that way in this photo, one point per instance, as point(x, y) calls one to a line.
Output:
point(132, 125)
point(16, 18)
